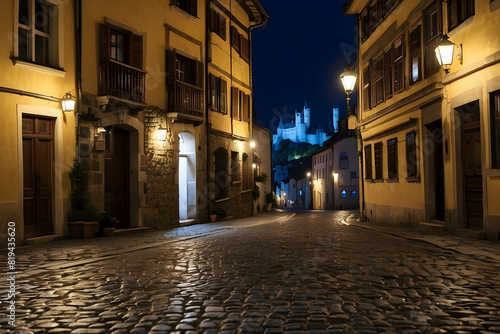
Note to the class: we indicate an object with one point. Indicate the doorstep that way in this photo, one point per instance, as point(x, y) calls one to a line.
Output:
point(41, 240)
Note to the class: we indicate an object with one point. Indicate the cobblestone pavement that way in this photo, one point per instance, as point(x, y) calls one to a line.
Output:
point(310, 272)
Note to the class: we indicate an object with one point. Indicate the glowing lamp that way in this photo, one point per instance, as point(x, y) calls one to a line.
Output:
point(68, 102)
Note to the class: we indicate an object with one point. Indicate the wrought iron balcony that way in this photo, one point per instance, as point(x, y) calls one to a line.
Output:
point(188, 99)
point(123, 81)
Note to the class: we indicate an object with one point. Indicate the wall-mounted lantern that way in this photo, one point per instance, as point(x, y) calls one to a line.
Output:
point(445, 50)
point(161, 132)
point(68, 102)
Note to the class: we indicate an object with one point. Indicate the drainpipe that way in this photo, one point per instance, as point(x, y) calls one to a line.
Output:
point(362, 215)
point(77, 6)
point(207, 110)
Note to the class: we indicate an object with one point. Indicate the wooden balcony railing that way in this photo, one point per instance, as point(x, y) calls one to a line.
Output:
point(188, 99)
point(123, 81)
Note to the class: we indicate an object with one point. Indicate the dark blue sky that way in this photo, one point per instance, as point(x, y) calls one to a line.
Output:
point(299, 55)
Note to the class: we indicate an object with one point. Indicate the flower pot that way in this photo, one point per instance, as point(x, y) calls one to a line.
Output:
point(213, 218)
point(269, 206)
point(108, 231)
point(75, 229)
point(90, 229)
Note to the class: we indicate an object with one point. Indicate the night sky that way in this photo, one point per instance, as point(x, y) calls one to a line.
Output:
point(299, 55)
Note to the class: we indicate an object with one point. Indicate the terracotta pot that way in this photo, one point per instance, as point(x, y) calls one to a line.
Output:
point(75, 229)
point(269, 206)
point(90, 229)
point(108, 231)
point(213, 218)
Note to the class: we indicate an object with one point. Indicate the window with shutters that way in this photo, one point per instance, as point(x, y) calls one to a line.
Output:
point(432, 29)
point(399, 66)
point(121, 62)
point(388, 65)
point(240, 44)
point(217, 24)
point(495, 129)
point(235, 39)
point(247, 173)
point(392, 158)
point(368, 162)
point(221, 173)
point(415, 56)
point(378, 80)
point(366, 88)
point(37, 35)
point(240, 105)
point(189, 6)
point(377, 148)
point(185, 82)
point(235, 167)
point(235, 104)
point(411, 155)
point(459, 11)
point(365, 25)
point(218, 94)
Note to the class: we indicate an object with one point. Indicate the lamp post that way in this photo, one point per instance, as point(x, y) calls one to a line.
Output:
point(348, 78)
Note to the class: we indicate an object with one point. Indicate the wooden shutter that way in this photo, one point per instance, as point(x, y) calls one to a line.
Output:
point(235, 103)
point(214, 81)
point(388, 73)
point(452, 14)
point(223, 96)
point(199, 74)
point(136, 51)
point(104, 43)
point(170, 79)
point(193, 7)
point(392, 158)
point(366, 88)
point(222, 27)
point(245, 49)
point(378, 161)
point(235, 39)
point(211, 20)
point(368, 162)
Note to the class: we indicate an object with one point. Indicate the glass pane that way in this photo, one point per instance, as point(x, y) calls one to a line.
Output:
point(23, 39)
point(24, 12)
point(42, 17)
point(41, 50)
point(497, 107)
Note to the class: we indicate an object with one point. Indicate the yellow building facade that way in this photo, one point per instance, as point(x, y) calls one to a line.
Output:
point(145, 130)
point(429, 137)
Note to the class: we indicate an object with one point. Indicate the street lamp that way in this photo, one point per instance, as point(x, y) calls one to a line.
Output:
point(348, 78)
point(444, 52)
point(68, 102)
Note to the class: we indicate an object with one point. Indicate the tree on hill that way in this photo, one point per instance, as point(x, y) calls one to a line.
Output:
point(288, 151)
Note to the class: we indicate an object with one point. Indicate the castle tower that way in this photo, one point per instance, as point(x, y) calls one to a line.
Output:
point(336, 115)
point(298, 117)
point(307, 115)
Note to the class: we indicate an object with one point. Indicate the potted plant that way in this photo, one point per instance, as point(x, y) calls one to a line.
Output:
point(108, 224)
point(217, 213)
point(90, 222)
point(270, 198)
point(261, 178)
point(76, 215)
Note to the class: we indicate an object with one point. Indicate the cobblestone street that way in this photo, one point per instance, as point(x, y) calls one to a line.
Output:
point(304, 272)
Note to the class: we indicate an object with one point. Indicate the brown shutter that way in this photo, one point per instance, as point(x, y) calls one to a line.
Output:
point(170, 79)
point(211, 21)
point(213, 91)
point(222, 27)
point(388, 73)
point(223, 96)
point(193, 7)
point(245, 49)
point(235, 103)
point(104, 43)
point(235, 39)
point(452, 14)
point(136, 51)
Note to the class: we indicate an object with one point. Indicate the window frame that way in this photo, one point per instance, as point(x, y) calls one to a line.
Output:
point(430, 36)
point(188, 6)
point(412, 170)
point(415, 50)
point(392, 159)
point(368, 162)
point(495, 129)
point(461, 14)
point(378, 153)
point(217, 24)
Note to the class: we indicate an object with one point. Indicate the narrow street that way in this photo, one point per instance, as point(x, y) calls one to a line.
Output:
point(303, 272)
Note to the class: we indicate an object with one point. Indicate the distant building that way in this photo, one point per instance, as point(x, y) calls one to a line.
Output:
point(298, 132)
point(293, 183)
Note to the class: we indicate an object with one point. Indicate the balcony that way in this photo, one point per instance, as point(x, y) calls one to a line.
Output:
point(187, 103)
point(122, 81)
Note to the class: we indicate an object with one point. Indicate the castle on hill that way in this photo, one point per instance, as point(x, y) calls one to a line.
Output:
point(298, 132)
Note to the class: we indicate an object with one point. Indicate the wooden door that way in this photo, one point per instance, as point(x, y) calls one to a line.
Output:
point(473, 180)
point(38, 158)
point(117, 175)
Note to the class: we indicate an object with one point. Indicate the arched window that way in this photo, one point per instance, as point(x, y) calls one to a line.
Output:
point(353, 194)
point(343, 194)
point(221, 178)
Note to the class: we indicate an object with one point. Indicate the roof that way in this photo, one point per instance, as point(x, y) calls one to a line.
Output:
point(256, 10)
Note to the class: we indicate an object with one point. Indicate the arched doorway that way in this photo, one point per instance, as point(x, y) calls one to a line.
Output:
point(187, 176)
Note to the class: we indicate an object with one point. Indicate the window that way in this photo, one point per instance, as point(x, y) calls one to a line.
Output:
point(415, 56)
point(353, 194)
point(235, 167)
point(37, 33)
point(495, 129)
point(120, 45)
point(368, 162)
point(247, 172)
point(399, 68)
point(388, 72)
point(392, 158)
point(218, 94)
point(354, 175)
point(235, 39)
point(378, 80)
point(344, 162)
point(217, 24)
point(411, 154)
point(240, 105)
point(432, 29)
point(221, 178)
point(459, 11)
point(240, 44)
point(378, 161)
point(189, 6)
point(343, 194)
